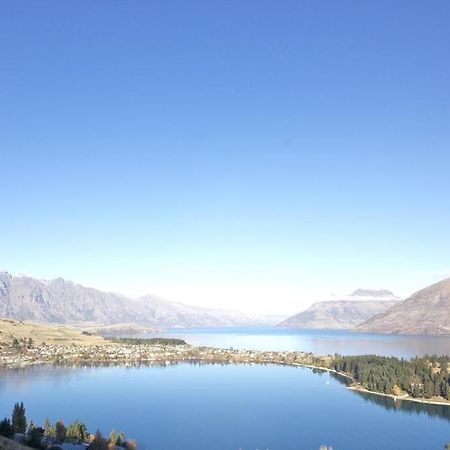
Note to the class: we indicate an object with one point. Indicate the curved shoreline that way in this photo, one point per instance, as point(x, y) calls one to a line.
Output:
point(400, 398)
point(117, 354)
point(359, 388)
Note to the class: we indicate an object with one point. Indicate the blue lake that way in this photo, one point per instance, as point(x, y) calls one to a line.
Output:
point(315, 341)
point(224, 407)
point(232, 407)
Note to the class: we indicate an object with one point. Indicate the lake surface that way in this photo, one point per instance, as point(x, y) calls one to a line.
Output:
point(224, 407)
point(315, 341)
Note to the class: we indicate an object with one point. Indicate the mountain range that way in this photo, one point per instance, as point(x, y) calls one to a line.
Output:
point(344, 313)
point(64, 302)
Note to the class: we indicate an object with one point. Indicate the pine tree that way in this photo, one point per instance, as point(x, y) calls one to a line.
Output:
point(78, 431)
point(446, 390)
point(6, 428)
point(18, 419)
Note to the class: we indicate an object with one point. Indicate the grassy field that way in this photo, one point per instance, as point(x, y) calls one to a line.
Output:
point(118, 329)
point(50, 334)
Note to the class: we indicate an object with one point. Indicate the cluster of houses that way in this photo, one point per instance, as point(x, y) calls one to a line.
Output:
point(118, 353)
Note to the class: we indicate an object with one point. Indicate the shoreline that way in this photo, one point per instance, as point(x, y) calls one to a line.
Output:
point(118, 354)
point(400, 398)
point(359, 388)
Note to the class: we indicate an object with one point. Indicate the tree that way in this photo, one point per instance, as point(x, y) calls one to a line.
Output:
point(78, 431)
point(15, 343)
point(131, 445)
point(446, 392)
point(31, 427)
point(60, 431)
point(6, 428)
point(98, 443)
point(120, 441)
point(116, 439)
point(428, 389)
point(18, 419)
point(49, 429)
point(112, 440)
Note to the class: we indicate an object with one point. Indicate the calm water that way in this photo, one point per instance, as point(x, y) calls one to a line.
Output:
point(316, 341)
point(225, 407)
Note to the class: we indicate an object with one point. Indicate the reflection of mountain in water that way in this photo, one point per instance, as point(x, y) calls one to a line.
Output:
point(405, 406)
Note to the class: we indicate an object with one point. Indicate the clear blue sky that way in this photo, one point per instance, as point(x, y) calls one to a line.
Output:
point(251, 154)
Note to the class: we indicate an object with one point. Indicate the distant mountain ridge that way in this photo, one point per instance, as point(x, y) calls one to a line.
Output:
point(344, 313)
point(425, 312)
point(375, 293)
point(64, 302)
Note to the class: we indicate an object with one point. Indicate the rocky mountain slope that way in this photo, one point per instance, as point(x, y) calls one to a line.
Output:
point(61, 301)
point(425, 312)
point(343, 314)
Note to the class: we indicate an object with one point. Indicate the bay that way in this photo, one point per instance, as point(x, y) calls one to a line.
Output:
point(224, 407)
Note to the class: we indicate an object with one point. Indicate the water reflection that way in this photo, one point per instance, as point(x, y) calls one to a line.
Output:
point(23, 379)
point(409, 407)
point(195, 405)
point(405, 406)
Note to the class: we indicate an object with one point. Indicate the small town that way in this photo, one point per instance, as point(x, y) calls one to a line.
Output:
point(139, 352)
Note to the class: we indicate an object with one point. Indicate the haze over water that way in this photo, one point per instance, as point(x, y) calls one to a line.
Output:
point(315, 341)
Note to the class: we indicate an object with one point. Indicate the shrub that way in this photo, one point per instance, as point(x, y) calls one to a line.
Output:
point(6, 428)
point(35, 437)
